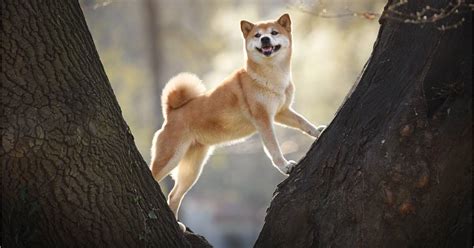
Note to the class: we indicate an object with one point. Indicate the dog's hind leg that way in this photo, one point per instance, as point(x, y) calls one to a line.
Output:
point(189, 170)
point(167, 150)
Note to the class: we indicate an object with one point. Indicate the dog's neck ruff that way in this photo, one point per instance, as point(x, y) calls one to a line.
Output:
point(273, 78)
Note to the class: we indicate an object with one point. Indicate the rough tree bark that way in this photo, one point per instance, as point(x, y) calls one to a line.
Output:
point(71, 174)
point(394, 167)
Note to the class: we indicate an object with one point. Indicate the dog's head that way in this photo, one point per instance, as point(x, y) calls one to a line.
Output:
point(266, 41)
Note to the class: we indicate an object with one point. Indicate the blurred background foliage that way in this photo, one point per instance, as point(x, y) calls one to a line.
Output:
point(142, 43)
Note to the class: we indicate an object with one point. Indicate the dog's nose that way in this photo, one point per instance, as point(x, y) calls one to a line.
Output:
point(265, 40)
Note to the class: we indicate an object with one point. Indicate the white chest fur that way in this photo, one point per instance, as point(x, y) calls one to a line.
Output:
point(275, 82)
point(272, 79)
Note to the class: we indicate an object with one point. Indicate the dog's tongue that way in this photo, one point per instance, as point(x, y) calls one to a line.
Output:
point(267, 49)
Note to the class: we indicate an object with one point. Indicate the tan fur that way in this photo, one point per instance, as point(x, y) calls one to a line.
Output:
point(179, 90)
point(249, 100)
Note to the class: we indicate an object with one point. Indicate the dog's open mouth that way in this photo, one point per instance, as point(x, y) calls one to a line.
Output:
point(267, 50)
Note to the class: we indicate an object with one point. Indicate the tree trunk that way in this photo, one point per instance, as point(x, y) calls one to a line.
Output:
point(71, 174)
point(394, 167)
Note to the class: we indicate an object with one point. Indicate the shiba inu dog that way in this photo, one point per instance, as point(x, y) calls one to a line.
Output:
point(250, 100)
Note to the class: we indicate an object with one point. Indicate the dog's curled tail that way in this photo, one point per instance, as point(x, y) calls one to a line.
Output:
point(180, 90)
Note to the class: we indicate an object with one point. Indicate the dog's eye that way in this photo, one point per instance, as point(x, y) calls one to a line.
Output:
point(257, 35)
point(274, 32)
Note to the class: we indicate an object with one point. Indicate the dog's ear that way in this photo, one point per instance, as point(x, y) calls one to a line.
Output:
point(246, 27)
point(285, 22)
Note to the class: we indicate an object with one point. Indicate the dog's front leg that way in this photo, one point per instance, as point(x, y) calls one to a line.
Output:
point(264, 125)
point(289, 117)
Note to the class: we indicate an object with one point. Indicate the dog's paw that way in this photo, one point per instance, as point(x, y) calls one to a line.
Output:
point(289, 167)
point(182, 226)
point(317, 132)
point(321, 128)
